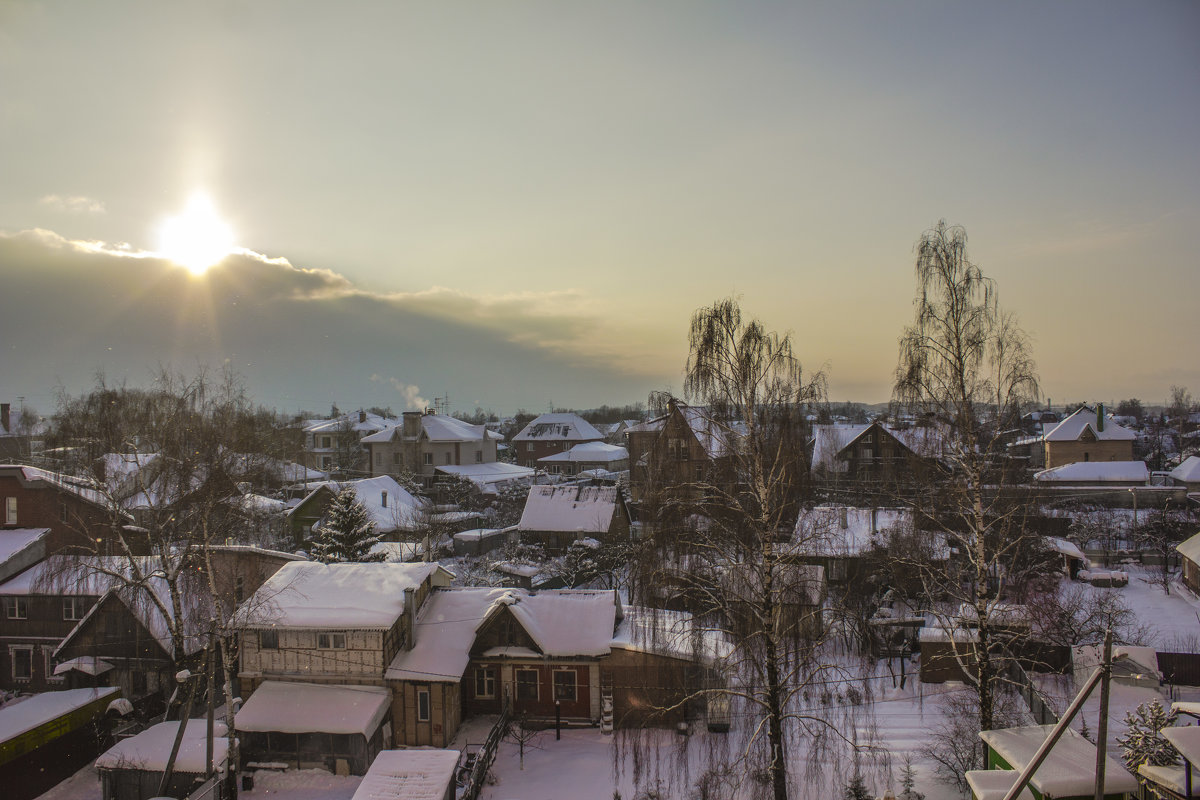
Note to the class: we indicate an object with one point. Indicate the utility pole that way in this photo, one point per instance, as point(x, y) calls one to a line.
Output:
point(208, 750)
point(1102, 726)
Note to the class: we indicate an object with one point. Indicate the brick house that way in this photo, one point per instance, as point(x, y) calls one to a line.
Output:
point(75, 516)
point(550, 434)
point(1087, 435)
point(425, 441)
point(683, 446)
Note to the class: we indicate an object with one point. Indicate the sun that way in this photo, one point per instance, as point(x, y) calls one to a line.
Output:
point(197, 238)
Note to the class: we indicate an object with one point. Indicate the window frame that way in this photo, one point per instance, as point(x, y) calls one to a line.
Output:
point(16, 607)
point(423, 699)
point(524, 685)
point(485, 677)
point(10, 511)
point(574, 685)
point(48, 654)
point(427, 459)
point(13, 650)
point(331, 638)
point(265, 636)
point(75, 607)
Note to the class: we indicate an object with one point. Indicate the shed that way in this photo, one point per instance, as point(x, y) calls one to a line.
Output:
point(410, 775)
point(1069, 770)
point(133, 768)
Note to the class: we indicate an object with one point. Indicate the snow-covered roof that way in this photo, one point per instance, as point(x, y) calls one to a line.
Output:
point(670, 633)
point(1096, 472)
point(831, 440)
point(1190, 548)
point(151, 748)
point(1071, 428)
point(71, 576)
point(24, 715)
point(558, 427)
point(569, 508)
point(846, 530)
point(562, 623)
point(307, 594)
point(14, 540)
point(1186, 740)
point(359, 422)
point(1188, 471)
point(1172, 778)
point(479, 534)
point(488, 475)
point(993, 784)
point(408, 775)
point(290, 707)
point(75, 486)
point(1069, 549)
point(401, 511)
point(436, 428)
point(88, 665)
point(598, 452)
point(1069, 769)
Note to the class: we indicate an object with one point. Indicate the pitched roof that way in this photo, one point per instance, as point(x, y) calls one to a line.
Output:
point(307, 594)
point(562, 623)
point(151, 749)
point(1071, 428)
point(402, 507)
point(558, 427)
point(290, 707)
point(569, 508)
point(846, 530)
point(1190, 548)
point(436, 428)
point(1188, 471)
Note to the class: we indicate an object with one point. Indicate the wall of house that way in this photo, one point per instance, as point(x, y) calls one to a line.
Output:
point(445, 713)
point(1059, 453)
point(47, 621)
point(1191, 574)
point(649, 688)
point(299, 658)
point(73, 522)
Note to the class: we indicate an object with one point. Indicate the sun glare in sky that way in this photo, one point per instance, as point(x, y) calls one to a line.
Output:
point(196, 238)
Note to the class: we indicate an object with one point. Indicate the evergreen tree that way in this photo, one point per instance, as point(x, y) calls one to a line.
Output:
point(347, 532)
point(1143, 743)
point(857, 789)
point(908, 781)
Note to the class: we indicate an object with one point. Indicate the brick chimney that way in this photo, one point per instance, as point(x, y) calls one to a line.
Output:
point(1099, 417)
point(362, 415)
point(412, 424)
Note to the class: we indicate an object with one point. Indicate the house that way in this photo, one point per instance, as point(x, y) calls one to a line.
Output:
point(330, 442)
point(873, 454)
point(477, 650)
point(132, 769)
point(1068, 772)
point(673, 456)
point(391, 507)
point(1188, 474)
point(77, 516)
point(490, 478)
point(315, 726)
point(1176, 782)
point(425, 441)
point(42, 605)
point(584, 457)
point(1189, 552)
point(410, 775)
point(1087, 435)
point(555, 516)
point(1096, 473)
point(552, 433)
point(838, 538)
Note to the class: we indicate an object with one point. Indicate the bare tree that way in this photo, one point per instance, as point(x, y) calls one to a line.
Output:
point(967, 365)
point(718, 532)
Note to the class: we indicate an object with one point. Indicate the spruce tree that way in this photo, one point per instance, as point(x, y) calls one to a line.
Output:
point(347, 532)
point(1143, 743)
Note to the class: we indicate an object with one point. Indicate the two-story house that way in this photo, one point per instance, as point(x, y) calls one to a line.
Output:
point(550, 434)
point(328, 626)
point(334, 443)
point(76, 516)
point(390, 506)
point(425, 441)
point(1087, 435)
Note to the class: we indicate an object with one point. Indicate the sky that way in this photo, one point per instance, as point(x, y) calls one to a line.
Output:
point(521, 204)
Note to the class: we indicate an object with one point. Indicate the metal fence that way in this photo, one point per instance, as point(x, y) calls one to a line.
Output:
point(1038, 707)
point(483, 759)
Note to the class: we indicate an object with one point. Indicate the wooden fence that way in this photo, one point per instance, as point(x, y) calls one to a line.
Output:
point(483, 759)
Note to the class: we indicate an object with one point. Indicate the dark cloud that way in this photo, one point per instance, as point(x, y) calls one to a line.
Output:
point(302, 337)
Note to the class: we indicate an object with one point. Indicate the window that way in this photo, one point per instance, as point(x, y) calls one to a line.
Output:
point(529, 447)
point(564, 685)
point(378, 459)
point(16, 607)
point(239, 589)
point(10, 511)
point(64, 514)
point(22, 662)
point(50, 676)
point(485, 682)
point(325, 462)
point(429, 458)
point(422, 705)
point(478, 456)
point(326, 441)
point(72, 608)
point(447, 458)
point(268, 640)
point(396, 457)
point(331, 641)
point(527, 684)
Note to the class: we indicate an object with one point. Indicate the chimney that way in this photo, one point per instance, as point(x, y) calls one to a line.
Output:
point(410, 611)
point(5, 409)
point(874, 520)
point(842, 517)
point(1099, 417)
point(383, 498)
point(412, 424)
point(362, 415)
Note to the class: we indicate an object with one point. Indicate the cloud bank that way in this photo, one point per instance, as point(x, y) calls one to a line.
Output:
point(303, 338)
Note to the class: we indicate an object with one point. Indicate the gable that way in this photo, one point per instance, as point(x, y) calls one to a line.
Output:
point(1087, 434)
point(502, 629)
point(110, 630)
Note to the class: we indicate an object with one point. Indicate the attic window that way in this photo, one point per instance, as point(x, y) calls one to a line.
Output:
point(331, 641)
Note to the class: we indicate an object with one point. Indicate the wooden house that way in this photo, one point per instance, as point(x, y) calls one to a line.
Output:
point(1087, 435)
point(555, 516)
point(1189, 557)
